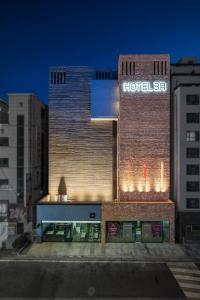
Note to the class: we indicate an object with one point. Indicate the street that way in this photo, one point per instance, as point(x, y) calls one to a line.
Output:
point(51, 280)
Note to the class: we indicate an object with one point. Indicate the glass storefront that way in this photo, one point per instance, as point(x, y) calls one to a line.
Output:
point(71, 231)
point(137, 231)
point(116, 231)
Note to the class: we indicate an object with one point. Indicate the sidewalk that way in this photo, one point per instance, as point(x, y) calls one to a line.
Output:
point(114, 251)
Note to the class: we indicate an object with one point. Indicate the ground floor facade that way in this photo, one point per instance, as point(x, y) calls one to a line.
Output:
point(106, 222)
point(188, 227)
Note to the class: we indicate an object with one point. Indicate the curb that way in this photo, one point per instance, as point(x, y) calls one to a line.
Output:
point(99, 259)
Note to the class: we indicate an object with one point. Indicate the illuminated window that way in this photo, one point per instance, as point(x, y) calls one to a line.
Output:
point(137, 231)
point(71, 232)
point(3, 210)
point(192, 136)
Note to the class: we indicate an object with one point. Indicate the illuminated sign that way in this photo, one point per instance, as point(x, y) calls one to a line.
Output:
point(144, 86)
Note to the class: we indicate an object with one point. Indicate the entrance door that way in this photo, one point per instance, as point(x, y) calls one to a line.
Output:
point(188, 233)
point(68, 232)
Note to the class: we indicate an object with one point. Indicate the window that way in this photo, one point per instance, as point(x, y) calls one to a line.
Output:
point(3, 184)
point(3, 210)
point(20, 158)
point(21, 104)
point(192, 202)
point(4, 162)
point(192, 186)
point(192, 99)
point(160, 67)
point(192, 117)
point(192, 136)
point(71, 231)
point(58, 77)
point(3, 117)
point(192, 169)
point(3, 207)
point(121, 231)
point(141, 231)
point(101, 75)
point(156, 67)
point(4, 141)
point(192, 152)
point(126, 68)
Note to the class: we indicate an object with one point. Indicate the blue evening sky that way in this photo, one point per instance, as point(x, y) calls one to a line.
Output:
point(36, 34)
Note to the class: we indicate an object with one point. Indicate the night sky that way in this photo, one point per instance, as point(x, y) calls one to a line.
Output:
point(36, 34)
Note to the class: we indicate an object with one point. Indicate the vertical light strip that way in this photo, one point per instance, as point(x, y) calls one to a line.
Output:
point(161, 175)
point(145, 174)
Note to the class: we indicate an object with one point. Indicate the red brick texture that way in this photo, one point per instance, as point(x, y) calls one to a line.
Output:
point(138, 211)
point(143, 130)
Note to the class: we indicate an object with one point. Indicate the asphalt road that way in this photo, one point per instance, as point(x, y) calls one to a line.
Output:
point(52, 280)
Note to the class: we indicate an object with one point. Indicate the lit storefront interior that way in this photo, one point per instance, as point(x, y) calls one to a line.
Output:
point(137, 231)
point(71, 231)
point(68, 222)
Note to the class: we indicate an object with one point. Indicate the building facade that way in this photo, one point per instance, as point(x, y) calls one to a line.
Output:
point(185, 93)
point(144, 207)
point(109, 172)
point(23, 162)
point(80, 147)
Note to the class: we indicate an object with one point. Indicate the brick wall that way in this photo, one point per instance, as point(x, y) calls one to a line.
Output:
point(143, 130)
point(80, 150)
point(138, 211)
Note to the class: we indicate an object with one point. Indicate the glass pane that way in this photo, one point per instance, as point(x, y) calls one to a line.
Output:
point(121, 231)
point(152, 232)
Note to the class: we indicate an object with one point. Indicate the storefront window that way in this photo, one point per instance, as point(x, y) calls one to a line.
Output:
point(71, 232)
point(55, 232)
point(121, 231)
point(152, 232)
point(137, 231)
point(86, 232)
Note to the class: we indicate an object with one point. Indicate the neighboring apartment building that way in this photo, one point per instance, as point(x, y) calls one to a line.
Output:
point(185, 164)
point(109, 168)
point(23, 162)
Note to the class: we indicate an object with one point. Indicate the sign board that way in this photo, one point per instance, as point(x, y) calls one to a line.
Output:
point(144, 87)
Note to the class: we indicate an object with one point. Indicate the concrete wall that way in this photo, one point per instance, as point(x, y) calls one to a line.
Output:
point(181, 145)
point(30, 107)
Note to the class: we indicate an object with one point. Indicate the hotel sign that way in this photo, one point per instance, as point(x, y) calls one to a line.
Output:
point(144, 87)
